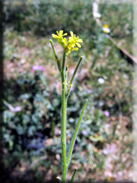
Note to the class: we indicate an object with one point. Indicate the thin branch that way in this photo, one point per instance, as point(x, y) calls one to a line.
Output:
point(36, 161)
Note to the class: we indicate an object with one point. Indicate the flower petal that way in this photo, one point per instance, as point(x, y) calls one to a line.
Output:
point(80, 41)
point(54, 36)
point(65, 40)
point(65, 34)
point(61, 32)
point(76, 49)
point(71, 33)
point(78, 45)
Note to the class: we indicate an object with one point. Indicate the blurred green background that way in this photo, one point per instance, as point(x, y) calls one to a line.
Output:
point(32, 94)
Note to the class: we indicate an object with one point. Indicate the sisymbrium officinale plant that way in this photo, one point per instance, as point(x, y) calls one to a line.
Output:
point(69, 45)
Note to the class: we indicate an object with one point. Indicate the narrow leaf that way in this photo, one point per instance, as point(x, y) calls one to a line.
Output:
point(73, 176)
point(75, 134)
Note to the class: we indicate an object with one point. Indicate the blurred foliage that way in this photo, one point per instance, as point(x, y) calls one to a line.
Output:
point(21, 127)
point(118, 17)
point(70, 16)
point(51, 15)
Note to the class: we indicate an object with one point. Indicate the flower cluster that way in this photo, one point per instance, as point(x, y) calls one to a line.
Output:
point(69, 87)
point(69, 45)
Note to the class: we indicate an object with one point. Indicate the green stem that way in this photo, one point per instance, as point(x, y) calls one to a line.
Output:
point(73, 176)
point(52, 128)
point(74, 73)
point(63, 64)
point(56, 57)
point(64, 118)
point(75, 134)
point(66, 73)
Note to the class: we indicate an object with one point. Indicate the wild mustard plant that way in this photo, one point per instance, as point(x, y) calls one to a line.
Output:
point(69, 45)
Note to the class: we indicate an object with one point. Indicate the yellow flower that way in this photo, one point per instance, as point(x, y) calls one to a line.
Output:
point(73, 43)
point(69, 45)
point(59, 37)
point(59, 34)
point(75, 40)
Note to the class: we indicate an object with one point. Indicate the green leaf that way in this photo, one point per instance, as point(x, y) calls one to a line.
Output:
point(31, 130)
point(95, 139)
point(24, 96)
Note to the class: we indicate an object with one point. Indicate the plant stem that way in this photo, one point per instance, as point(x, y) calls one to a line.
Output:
point(74, 73)
point(64, 118)
point(73, 176)
point(56, 57)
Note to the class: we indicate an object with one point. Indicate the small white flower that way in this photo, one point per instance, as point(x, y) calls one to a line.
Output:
point(106, 29)
point(97, 15)
point(101, 80)
point(22, 61)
